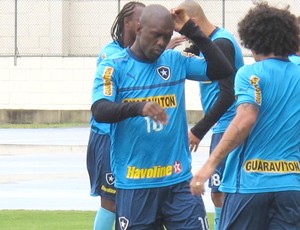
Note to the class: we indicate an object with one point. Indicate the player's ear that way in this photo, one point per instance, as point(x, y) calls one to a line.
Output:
point(138, 28)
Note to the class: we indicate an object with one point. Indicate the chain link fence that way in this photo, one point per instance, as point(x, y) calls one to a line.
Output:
point(82, 27)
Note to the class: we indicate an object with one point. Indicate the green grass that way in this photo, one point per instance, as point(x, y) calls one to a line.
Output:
point(46, 220)
point(52, 220)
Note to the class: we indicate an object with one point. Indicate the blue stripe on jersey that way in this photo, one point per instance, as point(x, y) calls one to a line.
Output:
point(151, 86)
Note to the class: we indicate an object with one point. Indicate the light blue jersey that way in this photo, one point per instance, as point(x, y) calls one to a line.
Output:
point(295, 59)
point(210, 90)
point(268, 160)
point(142, 151)
point(111, 48)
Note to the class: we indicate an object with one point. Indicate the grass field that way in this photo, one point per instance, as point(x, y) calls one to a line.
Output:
point(52, 220)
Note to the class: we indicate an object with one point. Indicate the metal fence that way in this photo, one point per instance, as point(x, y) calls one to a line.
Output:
point(82, 27)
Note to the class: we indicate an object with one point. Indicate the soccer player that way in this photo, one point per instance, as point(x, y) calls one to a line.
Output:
point(295, 58)
point(141, 91)
point(217, 97)
point(261, 180)
point(98, 151)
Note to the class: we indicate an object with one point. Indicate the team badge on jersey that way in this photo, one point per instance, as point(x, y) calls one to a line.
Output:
point(110, 179)
point(123, 222)
point(164, 72)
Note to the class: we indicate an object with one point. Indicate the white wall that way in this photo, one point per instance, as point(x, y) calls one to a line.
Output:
point(50, 83)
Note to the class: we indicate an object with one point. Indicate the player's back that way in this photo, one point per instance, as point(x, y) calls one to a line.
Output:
point(270, 156)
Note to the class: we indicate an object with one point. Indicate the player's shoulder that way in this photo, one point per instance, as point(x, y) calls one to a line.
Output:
point(177, 54)
point(295, 59)
point(109, 49)
point(117, 58)
point(221, 35)
point(248, 69)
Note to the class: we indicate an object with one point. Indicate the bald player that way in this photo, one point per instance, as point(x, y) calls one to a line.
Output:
point(141, 92)
point(217, 97)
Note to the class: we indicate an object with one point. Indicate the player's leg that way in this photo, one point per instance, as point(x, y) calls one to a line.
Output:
point(137, 209)
point(101, 179)
point(217, 197)
point(245, 211)
point(182, 210)
point(105, 216)
point(285, 211)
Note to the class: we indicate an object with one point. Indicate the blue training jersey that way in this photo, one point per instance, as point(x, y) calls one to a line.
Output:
point(146, 154)
point(210, 90)
point(268, 160)
point(295, 59)
point(111, 48)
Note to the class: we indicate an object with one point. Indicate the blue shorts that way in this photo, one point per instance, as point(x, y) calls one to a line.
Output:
point(261, 211)
point(215, 179)
point(98, 166)
point(150, 209)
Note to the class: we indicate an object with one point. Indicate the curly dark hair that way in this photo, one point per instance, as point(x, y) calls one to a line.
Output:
point(117, 28)
point(267, 30)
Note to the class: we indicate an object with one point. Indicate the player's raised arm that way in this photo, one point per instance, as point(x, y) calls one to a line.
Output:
point(218, 66)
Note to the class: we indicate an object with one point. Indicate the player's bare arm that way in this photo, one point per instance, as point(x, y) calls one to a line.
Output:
point(235, 134)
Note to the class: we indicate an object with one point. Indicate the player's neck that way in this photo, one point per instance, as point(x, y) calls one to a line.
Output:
point(261, 57)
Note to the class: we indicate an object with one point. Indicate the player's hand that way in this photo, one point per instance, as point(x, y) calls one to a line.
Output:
point(203, 174)
point(197, 184)
point(193, 142)
point(180, 18)
point(155, 112)
point(177, 41)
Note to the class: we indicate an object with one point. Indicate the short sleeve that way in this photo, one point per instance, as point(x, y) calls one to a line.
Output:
point(247, 86)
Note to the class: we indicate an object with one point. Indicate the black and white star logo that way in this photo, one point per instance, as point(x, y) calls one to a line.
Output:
point(164, 72)
point(110, 178)
point(123, 222)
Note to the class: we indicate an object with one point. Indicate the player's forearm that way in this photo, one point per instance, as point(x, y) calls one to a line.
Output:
point(219, 108)
point(217, 65)
point(237, 131)
point(105, 111)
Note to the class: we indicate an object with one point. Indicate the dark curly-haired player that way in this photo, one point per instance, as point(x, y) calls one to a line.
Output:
point(262, 174)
